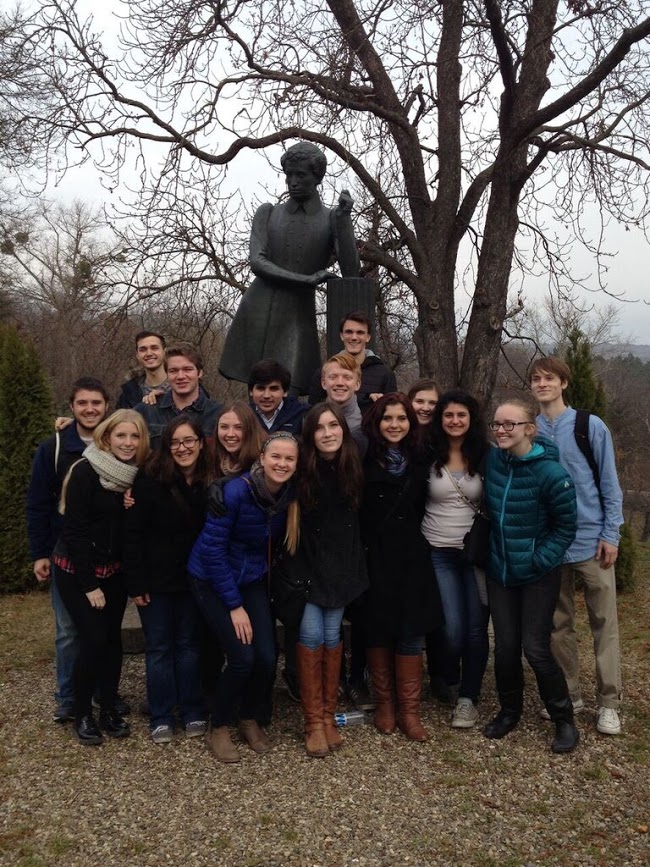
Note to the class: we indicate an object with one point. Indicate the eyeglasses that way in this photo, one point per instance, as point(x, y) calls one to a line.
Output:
point(186, 443)
point(506, 425)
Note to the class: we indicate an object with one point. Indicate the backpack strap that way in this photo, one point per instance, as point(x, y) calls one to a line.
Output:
point(581, 434)
point(57, 450)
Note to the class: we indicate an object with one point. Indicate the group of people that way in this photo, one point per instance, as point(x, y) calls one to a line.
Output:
point(217, 519)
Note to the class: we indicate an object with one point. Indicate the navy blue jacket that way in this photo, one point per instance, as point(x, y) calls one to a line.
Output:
point(232, 551)
point(532, 506)
point(204, 411)
point(289, 418)
point(44, 522)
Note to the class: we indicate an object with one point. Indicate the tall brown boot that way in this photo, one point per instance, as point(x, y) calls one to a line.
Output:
point(408, 678)
point(380, 663)
point(331, 677)
point(310, 679)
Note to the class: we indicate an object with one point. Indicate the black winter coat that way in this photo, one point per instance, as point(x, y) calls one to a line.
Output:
point(160, 530)
point(330, 554)
point(403, 600)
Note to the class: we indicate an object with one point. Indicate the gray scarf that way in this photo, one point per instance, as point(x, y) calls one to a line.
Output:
point(114, 475)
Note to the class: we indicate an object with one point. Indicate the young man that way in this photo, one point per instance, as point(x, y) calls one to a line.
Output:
point(150, 352)
point(268, 389)
point(376, 378)
point(53, 459)
point(184, 366)
point(595, 548)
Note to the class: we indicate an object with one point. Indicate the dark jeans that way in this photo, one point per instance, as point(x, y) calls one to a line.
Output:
point(171, 625)
point(244, 685)
point(465, 635)
point(523, 618)
point(99, 661)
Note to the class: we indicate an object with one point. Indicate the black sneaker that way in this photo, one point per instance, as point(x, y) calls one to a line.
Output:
point(360, 696)
point(291, 682)
point(87, 732)
point(112, 723)
point(63, 713)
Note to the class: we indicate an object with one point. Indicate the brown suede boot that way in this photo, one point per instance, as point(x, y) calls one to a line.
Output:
point(221, 745)
point(331, 677)
point(254, 735)
point(408, 678)
point(310, 679)
point(380, 663)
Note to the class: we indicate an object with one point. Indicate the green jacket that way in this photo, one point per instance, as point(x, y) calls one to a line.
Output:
point(532, 506)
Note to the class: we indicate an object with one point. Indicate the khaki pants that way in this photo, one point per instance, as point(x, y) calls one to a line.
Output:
point(600, 598)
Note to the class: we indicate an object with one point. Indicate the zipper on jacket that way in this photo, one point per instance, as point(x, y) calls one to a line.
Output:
point(501, 516)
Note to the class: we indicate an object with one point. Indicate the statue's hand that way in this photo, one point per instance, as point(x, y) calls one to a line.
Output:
point(345, 203)
point(320, 277)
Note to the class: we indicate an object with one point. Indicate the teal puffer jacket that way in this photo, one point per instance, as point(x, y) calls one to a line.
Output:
point(532, 505)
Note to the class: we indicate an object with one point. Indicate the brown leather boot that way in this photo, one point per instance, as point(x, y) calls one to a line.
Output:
point(254, 736)
point(380, 663)
point(221, 745)
point(331, 677)
point(310, 678)
point(408, 678)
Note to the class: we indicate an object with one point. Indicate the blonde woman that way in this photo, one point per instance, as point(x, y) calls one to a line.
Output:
point(88, 561)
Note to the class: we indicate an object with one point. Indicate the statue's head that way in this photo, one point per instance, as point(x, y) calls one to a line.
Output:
point(302, 158)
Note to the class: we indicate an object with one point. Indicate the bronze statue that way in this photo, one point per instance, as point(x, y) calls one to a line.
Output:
point(291, 248)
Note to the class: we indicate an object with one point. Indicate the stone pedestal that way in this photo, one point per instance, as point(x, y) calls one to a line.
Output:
point(345, 295)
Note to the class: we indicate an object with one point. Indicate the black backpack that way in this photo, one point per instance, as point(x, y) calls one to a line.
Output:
point(581, 434)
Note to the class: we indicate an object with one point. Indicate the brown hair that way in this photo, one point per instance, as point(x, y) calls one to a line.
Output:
point(551, 364)
point(186, 350)
point(423, 385)
point(252, 438)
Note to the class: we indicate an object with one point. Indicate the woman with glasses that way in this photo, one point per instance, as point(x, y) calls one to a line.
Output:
point(459, 444)
point(168, 513)
point(402, 603)
point(532, 505)
point(229, 566)
point(88, 556)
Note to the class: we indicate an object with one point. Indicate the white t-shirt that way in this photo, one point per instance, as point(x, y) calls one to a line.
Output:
point(447, 516)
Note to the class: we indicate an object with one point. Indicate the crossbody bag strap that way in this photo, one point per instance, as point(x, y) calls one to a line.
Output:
point(463, 496)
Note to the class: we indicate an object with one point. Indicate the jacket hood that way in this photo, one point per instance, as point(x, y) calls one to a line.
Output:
point(543, 449)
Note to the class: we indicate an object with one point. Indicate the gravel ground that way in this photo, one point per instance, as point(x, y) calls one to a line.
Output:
point(380, 802)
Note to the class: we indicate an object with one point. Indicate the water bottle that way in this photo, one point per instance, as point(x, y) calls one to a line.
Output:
point(351, 718)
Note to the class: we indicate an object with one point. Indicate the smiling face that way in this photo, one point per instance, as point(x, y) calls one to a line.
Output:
point(394, 424)
point(328, 436)
point(267, 398)
point(279, 460)
point(185, 447)
point(184, 377)
point(88, 408)
point(424, 403)
point(547, 387)
point(150, 353)
point(518, 441)
point(455, 420)
point(230, 432)
point(123, 441)
point(355, 337)
point(339, 383)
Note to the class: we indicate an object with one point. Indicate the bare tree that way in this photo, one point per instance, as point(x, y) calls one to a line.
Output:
point(478, 131)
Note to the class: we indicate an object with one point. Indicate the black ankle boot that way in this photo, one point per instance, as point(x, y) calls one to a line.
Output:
point(87, 732)
point(566, 737)
point(112, 723)
point(504, 722)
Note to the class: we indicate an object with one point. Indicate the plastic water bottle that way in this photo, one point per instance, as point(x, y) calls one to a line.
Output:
point(351, 718)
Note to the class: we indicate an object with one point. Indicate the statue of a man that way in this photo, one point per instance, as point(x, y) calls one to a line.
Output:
point(291, 248)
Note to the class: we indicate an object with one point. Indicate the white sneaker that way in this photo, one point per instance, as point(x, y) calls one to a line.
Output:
point(578, 707)
point(162, 734)
point(465, 714)
point(609, 722)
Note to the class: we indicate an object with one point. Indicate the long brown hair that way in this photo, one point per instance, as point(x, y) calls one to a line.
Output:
point(252, 439)
point(349, 474)
point(162, 466)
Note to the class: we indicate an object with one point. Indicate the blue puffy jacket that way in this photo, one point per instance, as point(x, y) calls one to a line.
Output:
point(232, 551)
point(532, 505)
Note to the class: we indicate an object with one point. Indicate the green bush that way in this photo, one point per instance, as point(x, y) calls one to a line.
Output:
point(25, 419)
point(627, 561)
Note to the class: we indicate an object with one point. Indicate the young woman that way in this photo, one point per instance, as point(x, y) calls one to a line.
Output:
point(402, 603)
point(238, 439)
point(532, 504)
point(169, 510)
point(88, 559)
point(459, 443)
point(229, 565)
point(423, 395)
point(330, 561)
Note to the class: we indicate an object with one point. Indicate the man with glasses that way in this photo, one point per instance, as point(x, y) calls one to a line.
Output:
point(593, 553)
point(184, 366)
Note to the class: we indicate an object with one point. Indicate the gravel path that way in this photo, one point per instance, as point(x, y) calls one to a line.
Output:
point(381, 802)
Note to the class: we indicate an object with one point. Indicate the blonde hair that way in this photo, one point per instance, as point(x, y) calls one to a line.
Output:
point(103, 431)
point(346, 361)
point(292, 536)
point(526, 406)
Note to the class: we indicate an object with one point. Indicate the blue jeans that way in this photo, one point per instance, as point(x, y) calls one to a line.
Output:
point(465, 630)
point(171, 625)
point(522, 617)
point(244, 685)
point(66, 646)
point(320, 626)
